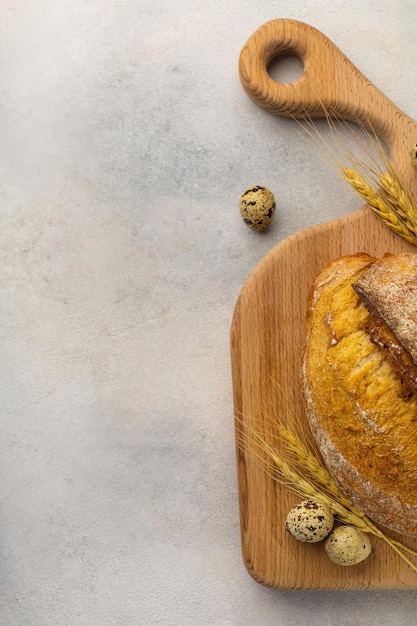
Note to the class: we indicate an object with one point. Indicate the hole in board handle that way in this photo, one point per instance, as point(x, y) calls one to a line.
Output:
point(286, 69)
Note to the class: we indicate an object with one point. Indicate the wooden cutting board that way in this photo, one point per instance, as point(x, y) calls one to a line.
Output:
point(268, 325)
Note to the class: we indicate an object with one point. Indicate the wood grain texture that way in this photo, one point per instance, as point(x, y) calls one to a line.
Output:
point(268, 326)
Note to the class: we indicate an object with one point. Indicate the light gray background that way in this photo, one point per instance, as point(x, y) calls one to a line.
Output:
point(126, 141)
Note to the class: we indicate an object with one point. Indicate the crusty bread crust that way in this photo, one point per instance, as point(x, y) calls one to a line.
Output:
point(363, 421)
point(388, 288)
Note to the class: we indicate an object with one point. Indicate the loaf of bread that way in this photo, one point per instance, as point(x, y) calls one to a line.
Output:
point(359, 382)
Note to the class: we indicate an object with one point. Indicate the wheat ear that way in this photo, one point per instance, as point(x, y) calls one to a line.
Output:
point(281, 470)
point(295, 481)
point(313, 465)
point(380, 207)
point(400, 200)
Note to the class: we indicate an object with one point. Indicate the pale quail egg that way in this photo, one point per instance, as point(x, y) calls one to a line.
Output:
point(257, 207)
point(309, 521)
point(413, 156)
point(347, 545)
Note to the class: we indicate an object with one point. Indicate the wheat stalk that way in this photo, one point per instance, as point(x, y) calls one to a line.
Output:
point(379, 205)
point(367, 161)
point(313, 481)
point(299, 484)
point(399, 199)
point(314, 466)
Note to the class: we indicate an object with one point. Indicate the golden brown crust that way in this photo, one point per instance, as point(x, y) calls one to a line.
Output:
point(364, 423)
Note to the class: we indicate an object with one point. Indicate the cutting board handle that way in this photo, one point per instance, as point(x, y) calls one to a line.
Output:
point(330, 82)
point(329, 85)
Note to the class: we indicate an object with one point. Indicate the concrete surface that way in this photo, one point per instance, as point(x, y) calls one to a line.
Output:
point(126, 141)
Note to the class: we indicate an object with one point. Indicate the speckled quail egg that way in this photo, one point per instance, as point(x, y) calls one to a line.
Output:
point(257, 207)
point(413, 156)
point(347, 545)
point(309, 521)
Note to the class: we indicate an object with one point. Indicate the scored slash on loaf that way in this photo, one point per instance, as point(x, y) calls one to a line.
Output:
point(389, 291)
